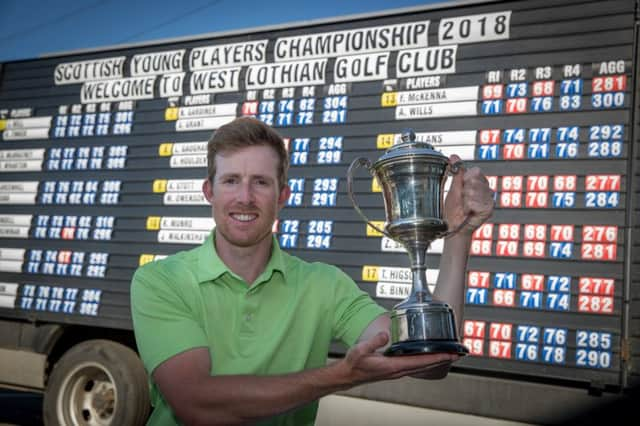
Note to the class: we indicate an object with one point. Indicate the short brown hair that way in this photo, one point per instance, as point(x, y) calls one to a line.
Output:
point(244, 132)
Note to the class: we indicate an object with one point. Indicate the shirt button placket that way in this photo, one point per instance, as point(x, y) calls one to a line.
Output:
point(247, 314)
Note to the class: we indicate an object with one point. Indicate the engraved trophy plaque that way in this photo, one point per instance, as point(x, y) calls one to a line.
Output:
point(412, 176)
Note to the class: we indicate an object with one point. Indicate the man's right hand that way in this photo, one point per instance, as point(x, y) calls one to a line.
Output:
point(364, 363)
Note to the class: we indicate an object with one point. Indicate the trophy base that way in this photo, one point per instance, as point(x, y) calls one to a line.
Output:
point(417, 347)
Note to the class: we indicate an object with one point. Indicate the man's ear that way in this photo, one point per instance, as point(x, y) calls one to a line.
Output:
point(284, 196)
point(207, 190)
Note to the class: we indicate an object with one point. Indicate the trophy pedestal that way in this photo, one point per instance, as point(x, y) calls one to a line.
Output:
point(423, 327)
point(426, 347)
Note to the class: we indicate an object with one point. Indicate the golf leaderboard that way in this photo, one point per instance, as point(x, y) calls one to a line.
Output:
point(103, 154)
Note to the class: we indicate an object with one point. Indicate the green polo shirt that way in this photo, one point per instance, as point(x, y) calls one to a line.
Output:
point(284, 322)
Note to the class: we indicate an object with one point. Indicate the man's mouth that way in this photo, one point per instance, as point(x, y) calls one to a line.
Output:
point(244, 217)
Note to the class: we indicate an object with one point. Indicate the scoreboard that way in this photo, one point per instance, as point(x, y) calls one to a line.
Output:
point(103, 153)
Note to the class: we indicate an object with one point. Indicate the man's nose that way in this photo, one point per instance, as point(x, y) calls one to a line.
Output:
point(245, 192)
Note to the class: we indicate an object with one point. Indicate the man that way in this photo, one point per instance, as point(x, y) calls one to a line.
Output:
point(236, 331)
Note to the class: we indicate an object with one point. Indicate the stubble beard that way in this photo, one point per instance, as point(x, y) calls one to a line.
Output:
point(240, 238)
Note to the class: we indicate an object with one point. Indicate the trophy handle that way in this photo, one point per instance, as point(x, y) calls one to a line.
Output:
point(454, 169)
point(360, 162)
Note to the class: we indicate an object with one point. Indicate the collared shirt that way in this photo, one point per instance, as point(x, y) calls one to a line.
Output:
point(283, 322)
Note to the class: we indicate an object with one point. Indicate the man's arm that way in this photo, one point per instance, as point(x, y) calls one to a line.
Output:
point(196, 397)
point(470, 198)
point(453, 266)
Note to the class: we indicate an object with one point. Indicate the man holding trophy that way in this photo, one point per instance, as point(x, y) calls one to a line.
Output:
point(236, 331)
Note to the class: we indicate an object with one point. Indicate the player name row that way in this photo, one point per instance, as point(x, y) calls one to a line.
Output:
point(329, 148)
point(329, 152)
point(389, 289)
point(320, 198)
point(504, 284)
point(332, 116)
point(558, 250)
point(15, 224)
point(594, 284)
point(553, 182)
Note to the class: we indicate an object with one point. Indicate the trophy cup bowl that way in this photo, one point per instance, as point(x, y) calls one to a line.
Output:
point(412, 176)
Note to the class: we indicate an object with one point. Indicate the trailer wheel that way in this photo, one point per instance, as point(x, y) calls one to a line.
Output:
point(97, 383)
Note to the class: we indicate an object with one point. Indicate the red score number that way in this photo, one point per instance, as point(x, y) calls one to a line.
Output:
point(502, 297)
point(511, 199)
point(475, 346)
point(513, 151)
point(509, 231)
point(490, 136)
point(500, 343)
point(562, 233)
point(538, 183)
point(499, 349)
point(492, 91)
point(511, 183)
point(562, 183)
point(536, 200)
point(474, 329)
point(596, 251)
point(532, 282)
point(533, 249)
point(537, 232)
point(600, 233)
point(516, 105)
point(595, 304)
point(68, 233)
point(593, 285)
point(484, 232)
point(481, 247)
point(602, 182)
point(250, 108)
point(542, 88)
point(64, 256)
point(506, 248)
point(500, 331)
point(478, 279)
point(610, 83)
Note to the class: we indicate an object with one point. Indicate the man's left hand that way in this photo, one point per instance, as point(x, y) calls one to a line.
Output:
point(470, 198)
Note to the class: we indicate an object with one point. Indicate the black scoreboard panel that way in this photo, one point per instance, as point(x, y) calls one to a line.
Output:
point(102, 156)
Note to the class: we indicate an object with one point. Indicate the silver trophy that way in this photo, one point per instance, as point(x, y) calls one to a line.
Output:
point(412, 176)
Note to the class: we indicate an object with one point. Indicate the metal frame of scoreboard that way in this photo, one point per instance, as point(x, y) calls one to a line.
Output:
point(103, 151)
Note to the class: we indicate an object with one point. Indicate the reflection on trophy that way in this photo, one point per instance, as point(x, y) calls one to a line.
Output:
point(412, 176)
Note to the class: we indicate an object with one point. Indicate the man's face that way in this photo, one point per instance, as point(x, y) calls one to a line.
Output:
point(244, 195)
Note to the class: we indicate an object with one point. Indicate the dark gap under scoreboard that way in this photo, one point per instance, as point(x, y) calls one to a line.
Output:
point(102, 156)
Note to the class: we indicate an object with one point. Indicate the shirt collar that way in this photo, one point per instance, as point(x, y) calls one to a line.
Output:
point(211, 267)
